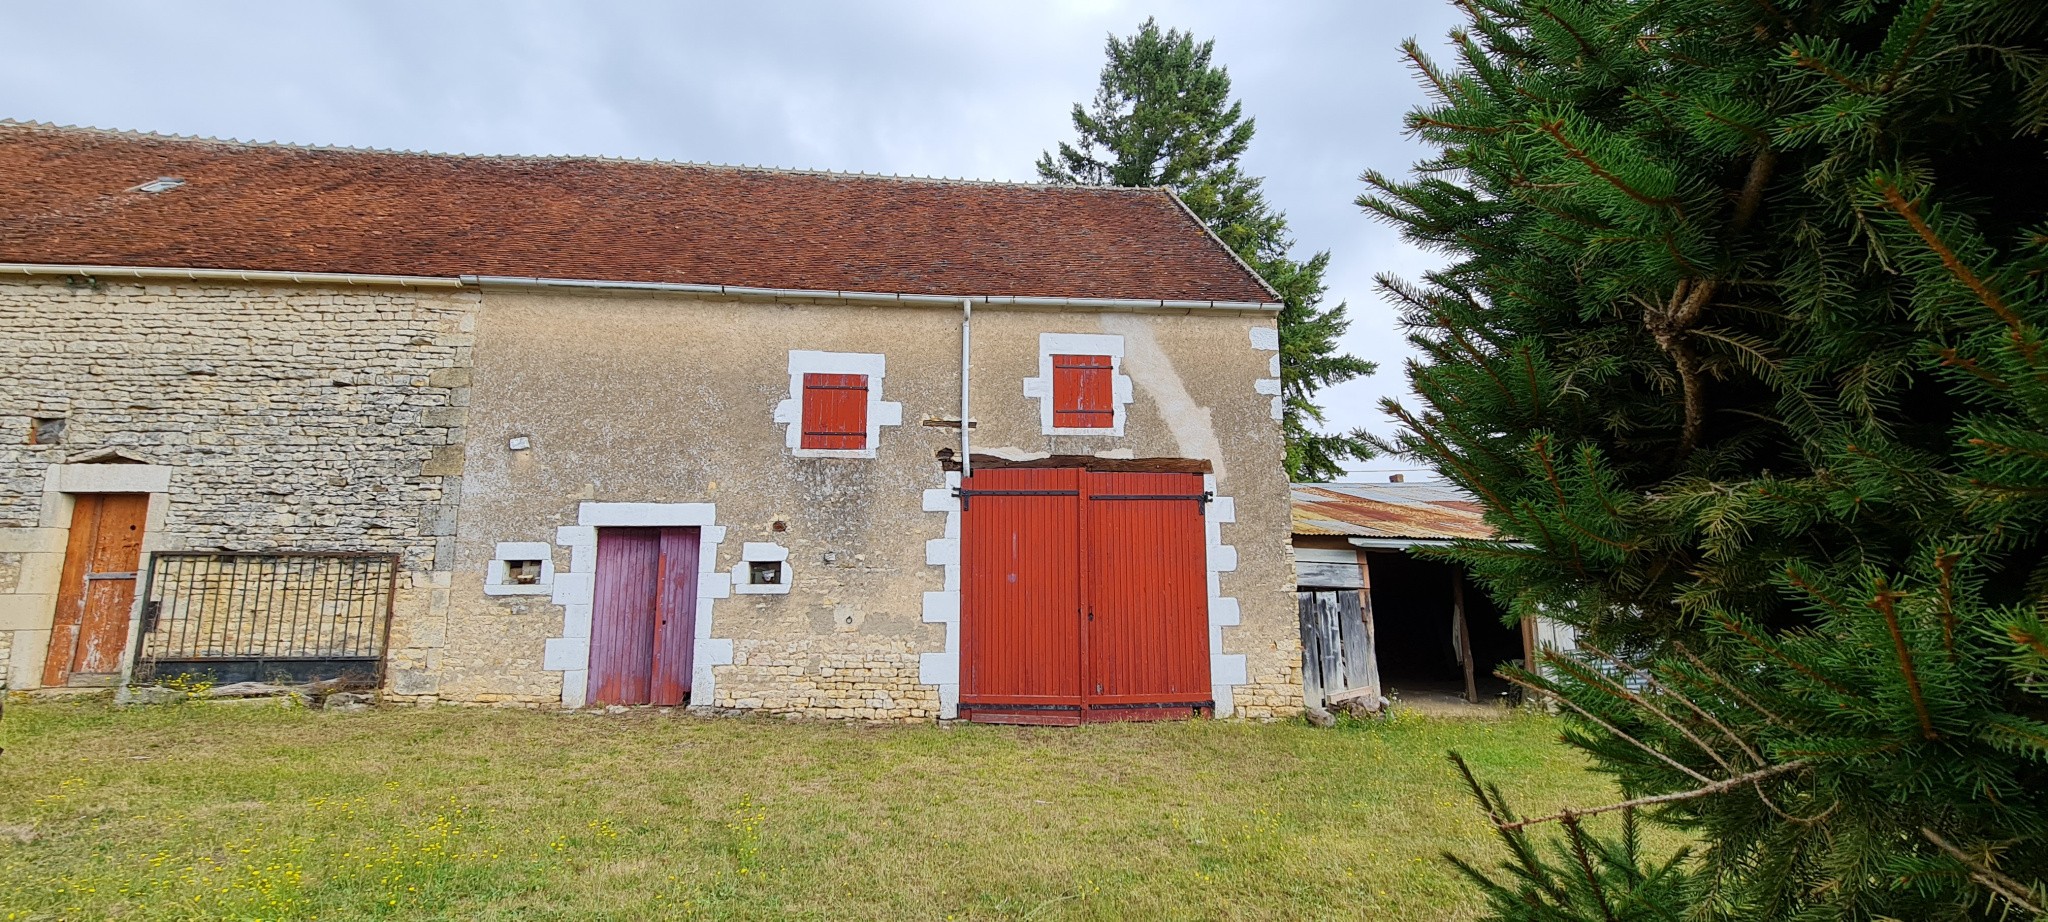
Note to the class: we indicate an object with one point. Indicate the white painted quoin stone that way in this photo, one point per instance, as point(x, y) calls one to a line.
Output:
point(942, 669)
point(576, 591)
point(1226, 670)
point(1040, 388)
point(790, 411)
point(1268, 339)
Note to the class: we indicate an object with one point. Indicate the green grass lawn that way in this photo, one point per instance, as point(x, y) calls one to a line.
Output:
point(213, 811)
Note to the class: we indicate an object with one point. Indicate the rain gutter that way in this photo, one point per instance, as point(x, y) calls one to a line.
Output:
point(1402, 544)
point(231, 275)
point(868, 297)
point(535, 283)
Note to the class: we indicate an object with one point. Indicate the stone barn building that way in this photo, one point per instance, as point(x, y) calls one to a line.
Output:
point(567, 432)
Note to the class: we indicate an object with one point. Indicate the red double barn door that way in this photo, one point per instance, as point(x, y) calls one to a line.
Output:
point(643, 622)
point(1084, 597)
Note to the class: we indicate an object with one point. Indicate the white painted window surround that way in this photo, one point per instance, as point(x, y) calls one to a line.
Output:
point(790, 411)
point(576, 591)
point(1040, 388)
point(498, 580)
point(753, 552)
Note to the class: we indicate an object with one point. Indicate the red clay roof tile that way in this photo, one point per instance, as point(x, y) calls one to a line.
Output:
point(65, 199)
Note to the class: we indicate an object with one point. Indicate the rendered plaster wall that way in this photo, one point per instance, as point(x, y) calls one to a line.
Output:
point(288, 419)
point(665, 399)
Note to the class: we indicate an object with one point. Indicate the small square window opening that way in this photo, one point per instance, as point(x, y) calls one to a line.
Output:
point(46, 430)
point(764, 572)
point(522, 572)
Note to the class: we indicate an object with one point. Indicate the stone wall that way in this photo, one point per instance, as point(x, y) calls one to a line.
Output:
point(306, 419)
point(671, 400)
point(292, 418)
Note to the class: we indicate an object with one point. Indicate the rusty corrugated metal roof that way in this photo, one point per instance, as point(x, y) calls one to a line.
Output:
point(1423, 511)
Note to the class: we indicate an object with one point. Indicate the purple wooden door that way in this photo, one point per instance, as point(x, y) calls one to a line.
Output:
point(643, 622)
point(675, 617)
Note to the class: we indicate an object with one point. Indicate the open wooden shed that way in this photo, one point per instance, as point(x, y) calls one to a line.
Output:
point(1378, 619)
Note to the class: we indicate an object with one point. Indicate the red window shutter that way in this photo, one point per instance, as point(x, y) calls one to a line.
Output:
point(1083, 395)
point(835, 412)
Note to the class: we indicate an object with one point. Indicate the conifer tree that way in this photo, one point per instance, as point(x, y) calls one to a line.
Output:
point(1163, 116)
point(1742, 339)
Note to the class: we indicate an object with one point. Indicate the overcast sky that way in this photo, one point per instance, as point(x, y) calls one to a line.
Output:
point(926, 88)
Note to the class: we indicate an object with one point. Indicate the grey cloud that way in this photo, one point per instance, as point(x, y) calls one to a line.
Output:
point(931, 88)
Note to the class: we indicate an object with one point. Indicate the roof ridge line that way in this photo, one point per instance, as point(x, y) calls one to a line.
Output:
point(651, 161)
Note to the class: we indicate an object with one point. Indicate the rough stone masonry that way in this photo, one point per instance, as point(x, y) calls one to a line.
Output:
point(295, 419)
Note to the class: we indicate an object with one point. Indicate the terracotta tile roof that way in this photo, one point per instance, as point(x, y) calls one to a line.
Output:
point(1426, 511)
point(65, 199)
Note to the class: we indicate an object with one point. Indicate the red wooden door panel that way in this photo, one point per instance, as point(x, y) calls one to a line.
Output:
point(1084, 596)
point(97, 593)
point(675, 617)
point(1020, 625)
point(1147, 576)
point(643, 616)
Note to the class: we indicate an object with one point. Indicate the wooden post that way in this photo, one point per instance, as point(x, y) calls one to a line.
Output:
point(1372, 649)
point(1464, 634)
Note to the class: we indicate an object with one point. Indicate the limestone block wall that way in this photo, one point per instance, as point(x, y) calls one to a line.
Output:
point(589, 400)
point(291, 418)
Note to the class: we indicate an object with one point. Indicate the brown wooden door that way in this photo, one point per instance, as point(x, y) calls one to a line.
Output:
point(643, 622)
point(90, 630)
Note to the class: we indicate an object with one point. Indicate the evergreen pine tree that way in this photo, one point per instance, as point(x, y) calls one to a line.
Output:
point(1163, 116)
point(1742, 339)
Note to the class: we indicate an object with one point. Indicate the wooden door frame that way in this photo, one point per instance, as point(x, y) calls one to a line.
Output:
point(62, 485)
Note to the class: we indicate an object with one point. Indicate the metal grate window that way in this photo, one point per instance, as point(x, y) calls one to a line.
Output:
point(264, 617)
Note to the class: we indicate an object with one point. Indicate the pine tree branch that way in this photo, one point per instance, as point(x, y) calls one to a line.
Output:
point(1577, 836)
point(1809, 62)
point(1779, 655)
point(1541, 446)
point(1591, 53)
point(1556, 131)
point(1552, 655)
point(1885, 603)
point(1910, 211)
point(1984, 874)
point(1891, 77)
point(1945, 564)
point(1954, 359)
point(1708, 790)
point(1653, 682)
point(1747, 701)
point(1752, 196)
point(1692, 386)
point(1620, 689)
